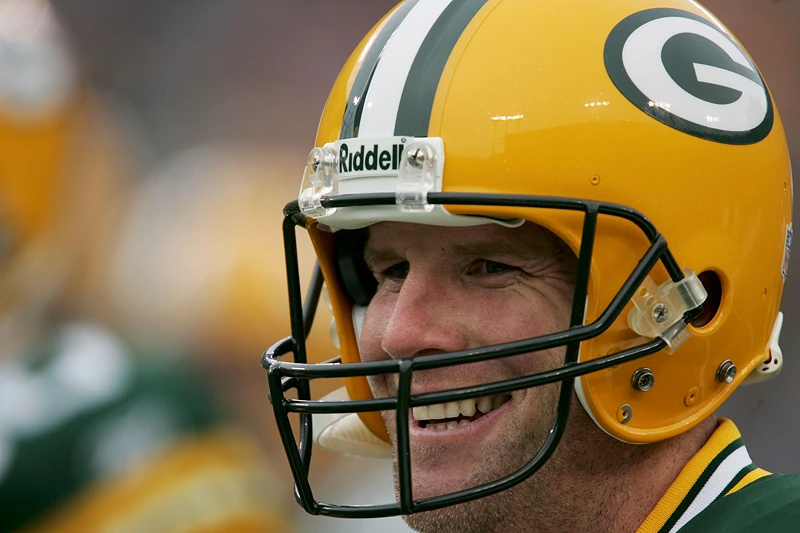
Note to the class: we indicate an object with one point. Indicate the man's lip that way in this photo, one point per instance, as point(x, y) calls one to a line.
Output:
point(416, 390)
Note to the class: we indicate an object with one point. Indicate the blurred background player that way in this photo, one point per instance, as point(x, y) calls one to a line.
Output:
point(95, 433)
point(194, 267)
point(186, 269)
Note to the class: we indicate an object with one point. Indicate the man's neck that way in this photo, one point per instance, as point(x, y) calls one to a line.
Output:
point(611, 487)
point(618, 495)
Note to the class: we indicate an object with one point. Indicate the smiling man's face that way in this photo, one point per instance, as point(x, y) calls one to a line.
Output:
point(442, 289)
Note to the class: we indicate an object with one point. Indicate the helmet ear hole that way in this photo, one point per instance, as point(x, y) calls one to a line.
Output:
point(713, 285)
point(354, 276)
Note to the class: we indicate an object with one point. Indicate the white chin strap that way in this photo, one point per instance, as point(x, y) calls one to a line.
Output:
point(772, 366)
point(346, 433)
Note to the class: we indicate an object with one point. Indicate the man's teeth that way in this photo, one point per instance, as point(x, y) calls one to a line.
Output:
point(468, 407)
point(485, 404)
point(449, 425)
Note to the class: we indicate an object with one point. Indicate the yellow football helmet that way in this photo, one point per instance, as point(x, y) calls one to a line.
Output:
point(639, 132)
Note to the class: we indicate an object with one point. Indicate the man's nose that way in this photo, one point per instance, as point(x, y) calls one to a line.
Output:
point(427, 317)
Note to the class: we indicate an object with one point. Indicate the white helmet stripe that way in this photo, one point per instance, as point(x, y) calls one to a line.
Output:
point(382, 100)
point(371, 56)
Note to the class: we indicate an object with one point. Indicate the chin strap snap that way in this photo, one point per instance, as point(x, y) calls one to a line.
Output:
point(658, 310)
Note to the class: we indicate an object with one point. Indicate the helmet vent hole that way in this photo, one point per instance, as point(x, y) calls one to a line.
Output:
point(713, 286)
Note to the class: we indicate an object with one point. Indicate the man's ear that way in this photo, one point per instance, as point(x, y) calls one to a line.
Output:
point(355, 278)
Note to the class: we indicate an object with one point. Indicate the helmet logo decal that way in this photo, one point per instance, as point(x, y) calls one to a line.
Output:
point(372, 159)
point(395, 87)
point(688, 73)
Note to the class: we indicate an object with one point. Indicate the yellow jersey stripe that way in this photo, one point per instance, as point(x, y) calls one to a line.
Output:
point(758, 473)
point(691, 479)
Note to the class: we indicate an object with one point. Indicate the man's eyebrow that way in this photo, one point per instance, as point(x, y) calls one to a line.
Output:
point(521, 246)
point(501, 248)
point(373, 255)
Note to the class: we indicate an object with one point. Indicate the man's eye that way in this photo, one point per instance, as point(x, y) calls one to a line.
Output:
point(493, 267)
point(397, 271)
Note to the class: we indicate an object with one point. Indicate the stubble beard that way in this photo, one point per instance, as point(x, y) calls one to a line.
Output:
point(514, 509)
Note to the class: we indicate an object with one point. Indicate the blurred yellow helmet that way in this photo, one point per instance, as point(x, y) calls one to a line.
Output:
point(188, 264)
point(59, 157)
point(639, 132)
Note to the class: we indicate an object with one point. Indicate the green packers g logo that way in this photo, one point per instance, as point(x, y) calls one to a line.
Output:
point(688, 73)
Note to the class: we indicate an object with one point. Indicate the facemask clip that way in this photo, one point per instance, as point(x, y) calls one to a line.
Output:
point(658, 310)
point(417, 177)
point(320, 178)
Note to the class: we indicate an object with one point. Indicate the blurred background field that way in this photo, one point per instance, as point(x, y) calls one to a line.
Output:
point(216, 106)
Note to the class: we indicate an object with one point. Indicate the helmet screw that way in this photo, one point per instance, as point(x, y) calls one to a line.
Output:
point(660, 313)
point(624, 414)
point(416, 157)
point(726, 371)
point(315, 161)
point(643, 379)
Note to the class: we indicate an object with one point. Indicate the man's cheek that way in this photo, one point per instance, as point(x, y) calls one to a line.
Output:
point(389, 419)
point(371, 335)
point(378, 386)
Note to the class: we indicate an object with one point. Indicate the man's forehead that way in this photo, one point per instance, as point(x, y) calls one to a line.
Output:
point(395, 237)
